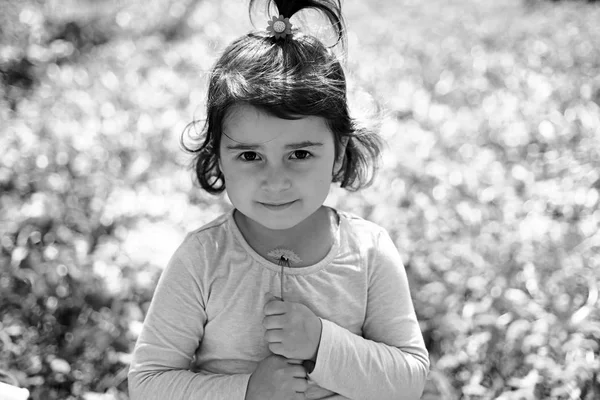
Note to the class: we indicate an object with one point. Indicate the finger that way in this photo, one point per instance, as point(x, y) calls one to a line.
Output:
point(274, 321)
point(300, 385)
point(274, 336)
point(270, 296)
point(280, 358)
point(276, 348)
point(275, 307)
point(297, 371)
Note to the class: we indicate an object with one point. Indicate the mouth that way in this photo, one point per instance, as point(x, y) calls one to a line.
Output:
point(277, 206)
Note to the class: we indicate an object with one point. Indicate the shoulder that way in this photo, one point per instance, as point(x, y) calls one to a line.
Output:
point(213, 228)
point(376, 247)
point(361, 236)
point(207, 240)
point(360, 228)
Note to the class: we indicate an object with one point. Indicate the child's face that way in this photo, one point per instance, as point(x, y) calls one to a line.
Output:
point(278, 179)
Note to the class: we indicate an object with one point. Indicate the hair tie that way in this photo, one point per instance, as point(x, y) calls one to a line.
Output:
point(279, 27)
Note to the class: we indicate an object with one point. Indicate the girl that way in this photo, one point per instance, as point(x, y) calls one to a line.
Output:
point(282, 297)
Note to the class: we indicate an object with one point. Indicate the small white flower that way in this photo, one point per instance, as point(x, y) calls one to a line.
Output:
point(288, 255)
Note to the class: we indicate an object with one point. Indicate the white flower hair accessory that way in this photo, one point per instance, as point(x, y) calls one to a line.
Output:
point(279, 27)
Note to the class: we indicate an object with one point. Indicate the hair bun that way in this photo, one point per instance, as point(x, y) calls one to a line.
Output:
point(331, 8)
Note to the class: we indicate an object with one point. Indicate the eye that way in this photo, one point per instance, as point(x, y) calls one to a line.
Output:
point(248, 156)
point(302, 154)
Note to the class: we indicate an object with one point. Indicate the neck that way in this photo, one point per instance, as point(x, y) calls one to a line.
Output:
point(284, 238)
point(294, 244)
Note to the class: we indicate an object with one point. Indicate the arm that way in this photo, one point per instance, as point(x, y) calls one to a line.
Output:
point(172, 331)
point(390, 361)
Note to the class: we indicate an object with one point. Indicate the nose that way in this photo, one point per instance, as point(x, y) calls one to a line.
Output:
point(275, 179)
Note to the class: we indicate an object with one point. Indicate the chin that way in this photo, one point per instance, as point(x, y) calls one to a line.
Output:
point(279, 224)
point(276, 220)
point(273, 221)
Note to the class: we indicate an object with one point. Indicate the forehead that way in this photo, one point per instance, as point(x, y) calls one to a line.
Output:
point(248, 124)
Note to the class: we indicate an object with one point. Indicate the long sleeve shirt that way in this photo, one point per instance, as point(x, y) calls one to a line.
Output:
point(203, 336)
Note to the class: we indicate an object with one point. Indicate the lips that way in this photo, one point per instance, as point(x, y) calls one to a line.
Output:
point(278, 206)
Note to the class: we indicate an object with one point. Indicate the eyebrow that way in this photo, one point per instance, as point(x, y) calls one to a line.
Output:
point(291, 146)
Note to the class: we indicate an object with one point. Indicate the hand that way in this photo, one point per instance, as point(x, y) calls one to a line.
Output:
point(277, 378)
point(293, 330)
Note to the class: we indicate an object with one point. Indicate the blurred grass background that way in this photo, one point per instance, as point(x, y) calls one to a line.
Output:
point(490, 182)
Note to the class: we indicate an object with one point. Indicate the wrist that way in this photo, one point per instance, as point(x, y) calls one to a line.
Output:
point(249, 391)
point(319, 330)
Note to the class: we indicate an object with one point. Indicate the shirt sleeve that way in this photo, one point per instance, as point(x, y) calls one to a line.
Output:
point(390, 360)
point(171, 334)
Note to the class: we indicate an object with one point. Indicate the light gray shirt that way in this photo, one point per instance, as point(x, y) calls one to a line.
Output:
point(203, 336)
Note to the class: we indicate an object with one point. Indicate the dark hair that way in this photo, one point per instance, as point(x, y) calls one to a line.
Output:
point(287, 78)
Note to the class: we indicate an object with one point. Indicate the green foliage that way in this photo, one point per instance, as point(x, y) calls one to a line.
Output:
point(494, 194)
point(490, 185)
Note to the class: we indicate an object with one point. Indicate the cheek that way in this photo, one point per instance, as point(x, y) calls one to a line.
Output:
point(234, 177)
point(230, 170)
point(321, 176)
point(237, 178)
point(239, 188)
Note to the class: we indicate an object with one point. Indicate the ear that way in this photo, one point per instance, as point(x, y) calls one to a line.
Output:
point(339, 162)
